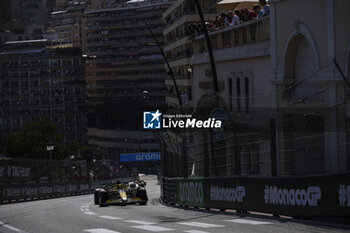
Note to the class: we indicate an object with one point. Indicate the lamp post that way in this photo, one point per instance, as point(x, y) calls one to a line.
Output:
point(50, 147)
point(210, 49)
point(145, 97)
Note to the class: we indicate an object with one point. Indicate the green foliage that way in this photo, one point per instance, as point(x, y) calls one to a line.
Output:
point(64, 151)
point(90, 153)
point(31, 140)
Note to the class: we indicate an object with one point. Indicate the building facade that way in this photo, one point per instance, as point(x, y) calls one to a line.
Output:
point(242, 58)
point(312, 97)
point(124, 71)
point(25, 20)
point(179, 17)
point(40, 80)
point(69, 24)
point(283, 80)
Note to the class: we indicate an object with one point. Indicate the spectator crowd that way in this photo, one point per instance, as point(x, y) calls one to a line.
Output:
point(230, 19)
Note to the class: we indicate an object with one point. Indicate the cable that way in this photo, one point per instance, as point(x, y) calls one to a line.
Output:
point(325, 64)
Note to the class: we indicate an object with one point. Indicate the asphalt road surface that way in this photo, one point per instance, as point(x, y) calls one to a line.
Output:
point(79, 214)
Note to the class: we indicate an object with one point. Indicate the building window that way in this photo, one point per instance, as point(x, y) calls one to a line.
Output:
point(238, 86)
point(230, 92)
point(246, 82)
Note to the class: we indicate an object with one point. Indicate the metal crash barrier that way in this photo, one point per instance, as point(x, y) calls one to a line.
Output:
point(169, 191)
point(24, 192)
point(29, 179)
point(324, 195)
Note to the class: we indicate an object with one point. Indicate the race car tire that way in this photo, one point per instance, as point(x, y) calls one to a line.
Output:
point(142, 194)
point(100, 202)
point(96, 197)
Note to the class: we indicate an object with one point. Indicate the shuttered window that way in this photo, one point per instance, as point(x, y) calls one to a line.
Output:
point(305, 71)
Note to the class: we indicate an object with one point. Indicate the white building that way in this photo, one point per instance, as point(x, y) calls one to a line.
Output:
point(311, 95)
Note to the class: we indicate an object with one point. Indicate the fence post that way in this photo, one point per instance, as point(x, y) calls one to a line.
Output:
point(206, 156)
point(273, 147)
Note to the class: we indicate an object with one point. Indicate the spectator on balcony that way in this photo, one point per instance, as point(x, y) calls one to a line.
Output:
point(257, 9)
point(218, 23)
point(223, 19)
point(208, 26)
point(188, 30)
point(214, 23)
point(247, 15)
point(233, 19)
point(266, 9)
point(239, 14)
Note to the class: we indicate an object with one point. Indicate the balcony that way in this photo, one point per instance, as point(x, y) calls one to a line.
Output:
point(124, 34)
point(119, 76)
point(180, 81)
point(122, 25)
point(185, 12)
point(124, 93)
point(122, 16)
point(245, 33)
point(127, 67)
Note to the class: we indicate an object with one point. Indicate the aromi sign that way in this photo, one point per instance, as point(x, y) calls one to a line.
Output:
point(139, 157)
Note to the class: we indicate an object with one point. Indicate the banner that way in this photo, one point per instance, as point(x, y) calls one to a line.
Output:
point(23, 191)
point(139, 157)
point(190, 192)
point(327, 195)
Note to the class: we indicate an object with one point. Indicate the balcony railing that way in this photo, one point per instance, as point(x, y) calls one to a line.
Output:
point(187, 11)
point(103, 18)
point(122, 25)
point(245, 33)
point(126, 6)
point(124, 33)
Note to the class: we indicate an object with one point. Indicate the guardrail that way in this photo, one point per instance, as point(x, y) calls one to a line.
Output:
point(324, 195)
point(169, 191)
point(33, 171)
point(24, 192)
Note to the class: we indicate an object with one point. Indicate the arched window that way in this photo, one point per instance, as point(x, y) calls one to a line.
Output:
point(303, 129)
point(305, 70)
point(348, 76)
point(301, 68)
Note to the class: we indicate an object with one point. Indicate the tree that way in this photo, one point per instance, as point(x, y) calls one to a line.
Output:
point(31, 140)
point(89, 153)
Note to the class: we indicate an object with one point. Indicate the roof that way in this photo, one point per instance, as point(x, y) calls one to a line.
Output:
point(68, 45)
point(21, 51)
point(25, 41)
point(58, 12)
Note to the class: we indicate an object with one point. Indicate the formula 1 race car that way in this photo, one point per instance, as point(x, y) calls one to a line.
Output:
point(121, 193)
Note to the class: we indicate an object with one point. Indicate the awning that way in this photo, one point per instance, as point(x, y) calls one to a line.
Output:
point(236, 4)
point(23, 51)
point(135, 1)
point(25, 41)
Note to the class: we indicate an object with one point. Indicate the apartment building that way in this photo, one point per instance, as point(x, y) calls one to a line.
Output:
point(242, 58)
point(69, 24)
point(178, 46)
point(283, 92)
point(24, 19)
point(40, 80)
point(311, 94)
point(124, 73)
